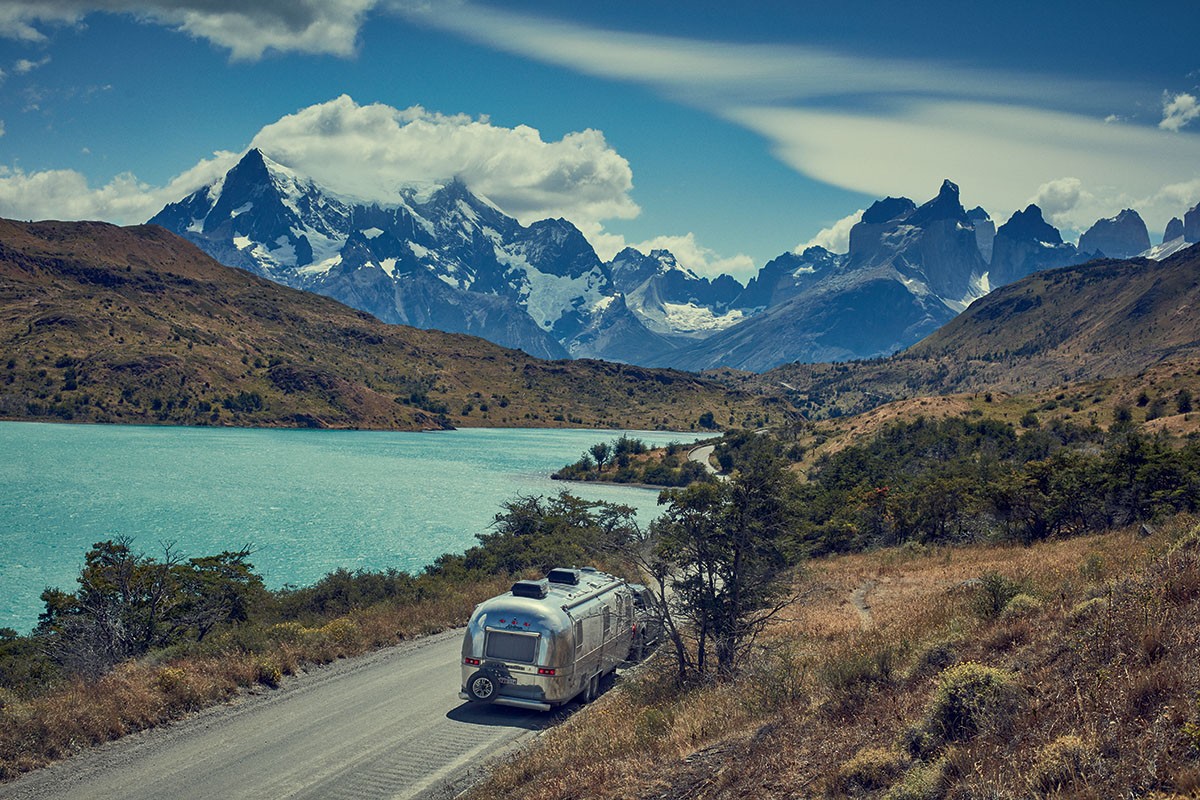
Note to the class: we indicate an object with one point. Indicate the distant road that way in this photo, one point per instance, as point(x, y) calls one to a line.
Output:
point(700, 455)
point(387, 725)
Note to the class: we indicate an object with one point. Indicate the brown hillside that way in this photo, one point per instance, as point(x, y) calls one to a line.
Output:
point(107, 324)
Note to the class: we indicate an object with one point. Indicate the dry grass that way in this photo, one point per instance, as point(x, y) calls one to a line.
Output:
point(1095, 674)
point(142, 694)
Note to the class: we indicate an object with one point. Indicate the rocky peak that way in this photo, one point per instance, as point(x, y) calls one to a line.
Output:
point(1174, 230)
point(1029, 226)
point(1122, 236)
point(946, 206)
point(887, 209)
point(1191, 224)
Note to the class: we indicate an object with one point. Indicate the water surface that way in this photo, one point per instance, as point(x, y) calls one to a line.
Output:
point(307, 502)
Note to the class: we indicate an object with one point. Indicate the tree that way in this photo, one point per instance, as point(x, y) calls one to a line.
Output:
point(128, 603)
point(600, 452)
point(722, 547)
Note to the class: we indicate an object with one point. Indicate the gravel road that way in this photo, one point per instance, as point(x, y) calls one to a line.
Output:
point(387, 725)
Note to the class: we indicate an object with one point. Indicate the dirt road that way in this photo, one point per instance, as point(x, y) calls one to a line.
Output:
point(388, 725)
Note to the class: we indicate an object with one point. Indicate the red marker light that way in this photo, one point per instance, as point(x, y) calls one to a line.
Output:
point(544, 671)
point(474, 662)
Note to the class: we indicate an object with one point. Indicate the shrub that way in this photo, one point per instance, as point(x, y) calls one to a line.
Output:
point(924, 782)
point(993, 593)
point(970, 698)
point(1060, 763)
point(870, 769)
point(267, 672)
point(1021, 605)
point(937, 656)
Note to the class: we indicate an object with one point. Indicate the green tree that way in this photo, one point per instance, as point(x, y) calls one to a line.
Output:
point(723, 548)
point(600, 452)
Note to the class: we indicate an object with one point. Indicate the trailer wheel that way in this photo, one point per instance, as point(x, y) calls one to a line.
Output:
point(482, 687)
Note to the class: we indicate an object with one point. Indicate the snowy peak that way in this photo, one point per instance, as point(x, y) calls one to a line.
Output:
point(439, 256)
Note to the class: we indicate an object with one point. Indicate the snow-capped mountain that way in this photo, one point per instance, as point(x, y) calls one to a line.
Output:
point(438, 257)
point(909, 270)
point(670, 299)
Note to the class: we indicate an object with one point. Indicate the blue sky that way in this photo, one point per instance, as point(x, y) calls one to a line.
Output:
point(727, 132)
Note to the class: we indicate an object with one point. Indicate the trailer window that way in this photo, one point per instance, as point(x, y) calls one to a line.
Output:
point(510, 646)
point(578, 635)
point(607, 621)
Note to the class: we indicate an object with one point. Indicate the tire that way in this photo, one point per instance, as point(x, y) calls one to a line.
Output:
point(482, 687)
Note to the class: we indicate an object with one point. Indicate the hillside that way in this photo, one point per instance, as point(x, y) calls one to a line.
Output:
point(1095, 321)
point(135, 325)
point(1066, 669)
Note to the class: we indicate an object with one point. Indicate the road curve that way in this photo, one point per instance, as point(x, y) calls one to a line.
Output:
point(701, 456)
point(387, 725)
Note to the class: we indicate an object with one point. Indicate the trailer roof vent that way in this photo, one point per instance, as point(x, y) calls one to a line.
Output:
point(563, 575)
point(535, 589)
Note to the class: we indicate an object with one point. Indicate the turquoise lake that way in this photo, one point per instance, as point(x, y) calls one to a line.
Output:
point(307, 502)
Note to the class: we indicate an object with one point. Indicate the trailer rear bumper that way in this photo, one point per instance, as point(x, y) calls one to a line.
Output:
point(515, 702)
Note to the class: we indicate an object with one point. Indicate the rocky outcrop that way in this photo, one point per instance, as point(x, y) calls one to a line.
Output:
point(1122, 236)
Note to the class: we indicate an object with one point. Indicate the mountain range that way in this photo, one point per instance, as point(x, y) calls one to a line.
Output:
point(136, 325)
point(441, 257)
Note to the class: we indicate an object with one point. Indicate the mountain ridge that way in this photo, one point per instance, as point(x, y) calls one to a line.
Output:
point(136, 325)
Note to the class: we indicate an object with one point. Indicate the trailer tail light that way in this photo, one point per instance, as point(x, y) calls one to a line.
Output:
point(544, 671)
point(474, 662)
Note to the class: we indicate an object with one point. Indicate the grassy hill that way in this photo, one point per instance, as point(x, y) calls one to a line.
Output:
point(1092, 322)
point(135, 325)
point(1066, 669)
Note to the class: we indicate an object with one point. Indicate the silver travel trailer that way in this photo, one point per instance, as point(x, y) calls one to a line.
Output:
point(547, 641)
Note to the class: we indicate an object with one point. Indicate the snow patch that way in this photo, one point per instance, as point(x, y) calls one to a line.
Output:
point(388, 265)
point(691, 318)
point(242, 242)
point(242, 209)
point(372, 233)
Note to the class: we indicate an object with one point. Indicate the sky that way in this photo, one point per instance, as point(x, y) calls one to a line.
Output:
point(727, 133)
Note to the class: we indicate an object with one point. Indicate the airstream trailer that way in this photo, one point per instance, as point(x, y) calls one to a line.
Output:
point(547, 641)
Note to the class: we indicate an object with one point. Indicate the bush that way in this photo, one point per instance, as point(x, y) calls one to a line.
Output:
point(1060, 763)
point(870, 769)
point(1021, 605)
point(993, 594)
point(851, 676)
point(923, 782)
point(971, 698)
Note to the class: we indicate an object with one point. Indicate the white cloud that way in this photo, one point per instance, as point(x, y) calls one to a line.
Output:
point(995, 152)
point(247, 29)
point(1178, 111)
point(700, 259)
point(882, 126)
point(835, 238)
point(24, 66)
point(2, 131)
point(65, 194)
point(369, 152)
